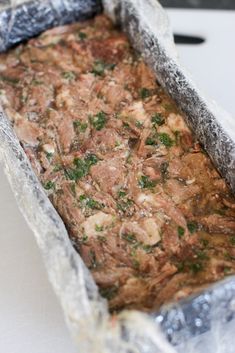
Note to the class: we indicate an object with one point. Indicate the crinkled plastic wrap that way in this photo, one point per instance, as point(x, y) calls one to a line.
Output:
point(203, 323)
point(22, 19)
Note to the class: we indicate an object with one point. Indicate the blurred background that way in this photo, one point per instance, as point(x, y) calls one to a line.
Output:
point(211, 63)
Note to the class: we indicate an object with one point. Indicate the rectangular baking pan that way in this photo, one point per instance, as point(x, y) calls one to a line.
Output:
point(200, 321)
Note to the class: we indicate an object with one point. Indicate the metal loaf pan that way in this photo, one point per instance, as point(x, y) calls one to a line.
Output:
point(197, 324)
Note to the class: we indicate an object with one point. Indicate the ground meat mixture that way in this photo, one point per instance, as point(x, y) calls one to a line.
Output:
point(141, 200)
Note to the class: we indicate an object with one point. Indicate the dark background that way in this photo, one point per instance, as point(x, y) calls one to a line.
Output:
point(204, 4)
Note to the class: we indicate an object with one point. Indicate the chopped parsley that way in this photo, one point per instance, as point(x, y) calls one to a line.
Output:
point(165, 139)
point(204, 242)
point(121, 193)
point(49, 155)
point(99, 228)
point(73, 188)
point(82, 35)
point(68, 75)
point(101, 238)
point(57, 168)
point(232, 240)
point(131, 238)
point(100, 66)
point(181, 231)
point(192, 227)
point(201, 255)
point(138, 124)
point(109, 292)
point(145, 93)
point(227, 270)
point(147, 248)
point(157, 119)
point(82, 167)
point(49, 185)
point(195, 267)
point(88, 202)
point(135, 263)
point(181, 266)
point(84, 238)
point(98, 121)
point(164, 170)
point(146, 183)
point(36, 82)
point(177, 137)
point(151, 141)
point(77, 124)
point(124, 205)
point(8, 79)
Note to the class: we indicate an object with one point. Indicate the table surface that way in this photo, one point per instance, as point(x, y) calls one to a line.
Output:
point(31, 320)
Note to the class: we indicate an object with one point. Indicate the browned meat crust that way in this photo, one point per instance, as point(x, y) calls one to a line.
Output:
point(141, 200)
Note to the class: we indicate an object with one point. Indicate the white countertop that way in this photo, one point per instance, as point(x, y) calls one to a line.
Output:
point(31, 320)
point(212, 64)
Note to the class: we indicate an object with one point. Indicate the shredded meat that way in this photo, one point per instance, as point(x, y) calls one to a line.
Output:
point(142, 203)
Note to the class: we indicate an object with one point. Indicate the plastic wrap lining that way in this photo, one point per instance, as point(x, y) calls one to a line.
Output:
point(202, 323)
point(24, 20)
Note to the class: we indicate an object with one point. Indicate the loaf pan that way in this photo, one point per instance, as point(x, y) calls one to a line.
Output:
point(201, 323)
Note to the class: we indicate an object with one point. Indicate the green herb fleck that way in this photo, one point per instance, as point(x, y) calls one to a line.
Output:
point(36, 82)
point(49, 155)
point(82, 35)
point(181, 231)
point(57, 168)
point(99, 228)
point(135, 263)
point(204, 242)
point(49, 185)
point(100, 66)
point(80, 125)
point(201, 255)
point(138, 124)
point(147, 248)
point(165, 139)
point(192, 227)
point(109, 293)
point(11, 80)
point(145, 93)
point(131, 238)
point(126, 125)
point(196, 267)
point(227, 270)
point(88, 202)
point(82, 167)
point(84, 238)
point(68, 75)
point(232, 240)
point(157, 119)
point(151, 141)
point(98, 121)
point(146, 183)
point(73, 188)
point(91, 159)
point(181, 266)
point(121, 193)
point(164, 170)
point(124, 205)
point(177, 137)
